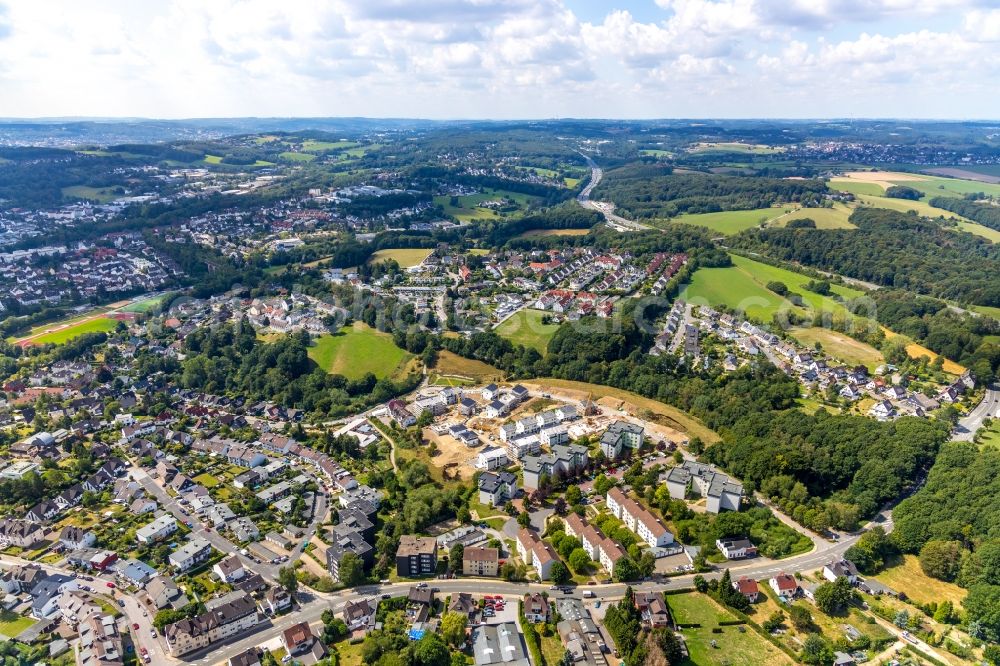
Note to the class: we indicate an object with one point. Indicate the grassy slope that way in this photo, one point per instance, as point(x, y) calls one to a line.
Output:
point(677, 419)
point(733, 221)
point(356, 351)
point(405, 257)
point(825, 218)
point(841, 346)
point(526, 328)
point(743, 286)
point(908, 577)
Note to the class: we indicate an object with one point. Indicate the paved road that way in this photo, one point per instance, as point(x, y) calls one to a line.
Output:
point(989, 407)
point(219, 542)
point(604, 208)
point(132, 610)
point(313, 607)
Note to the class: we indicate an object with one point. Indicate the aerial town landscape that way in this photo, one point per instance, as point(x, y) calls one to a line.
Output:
point(354, 389)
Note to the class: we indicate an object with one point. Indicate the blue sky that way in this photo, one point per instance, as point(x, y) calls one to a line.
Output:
point(501, 59)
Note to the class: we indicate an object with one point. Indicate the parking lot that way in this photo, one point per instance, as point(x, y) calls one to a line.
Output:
point(508, 614)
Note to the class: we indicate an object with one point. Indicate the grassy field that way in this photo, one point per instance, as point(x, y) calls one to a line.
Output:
point(71, 331)
point(743, 286)
point(916, 351)
point(213, 159)
point(313, 146)
point(457, 368)
point(856, 187)
point(909, 578)
point(992, 235)
point(825, 218)
point(541, 233)
point(145, 305)
point(356, 351)
point(98, 194)
point(840, 346)
point(571, 182)
point(735, 147)
point(674, 417)
point(732, 646)
point(991, 436)
point(733, 221)
point(468, 208)
point(526, 328)
point(206, 480)
point(296, 157)
point(11, 624)
point(656, 152)
point(405, 257)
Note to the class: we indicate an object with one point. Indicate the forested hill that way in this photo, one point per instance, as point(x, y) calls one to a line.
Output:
point(892, 249)
point(650, 191)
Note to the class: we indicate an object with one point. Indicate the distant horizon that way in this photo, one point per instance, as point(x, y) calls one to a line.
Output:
point(487, 119)
point(500, 59)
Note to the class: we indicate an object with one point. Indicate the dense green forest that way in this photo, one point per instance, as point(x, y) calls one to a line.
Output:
point(953, 522)
point(652, 191)
point(983, 212)
point(892, 249)
point(964, 338)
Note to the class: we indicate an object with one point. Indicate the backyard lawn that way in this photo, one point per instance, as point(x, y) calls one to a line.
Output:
point(11, 624)
point(734, 646)
point(358, 350)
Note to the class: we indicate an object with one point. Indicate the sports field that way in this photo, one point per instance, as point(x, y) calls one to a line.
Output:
point(840, 346)
point(743, 286)
point(358, 350)
point(526, 328)
point(145, 305)
point(405, 257)
point(734, 221)
point(57, 336)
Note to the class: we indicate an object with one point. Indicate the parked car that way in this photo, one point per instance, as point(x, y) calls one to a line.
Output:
point(135, 626)
point(152, 633)
point(110, 584)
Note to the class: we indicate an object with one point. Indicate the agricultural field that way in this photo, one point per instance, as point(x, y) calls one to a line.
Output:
point(731, 647)
point(733, 221)
point(53, 334)
point(543, 233)
point(874, 183)
point(358, 350)
point(571, 182)
point(296, 157)
point(825, 218)
point(98, 194)
point(909, 578)
point(743, 286)
point(525, 327)
point(405, 257)
point(656, 152)
point(735, 147)
point(314, 146)
point(840, 346)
